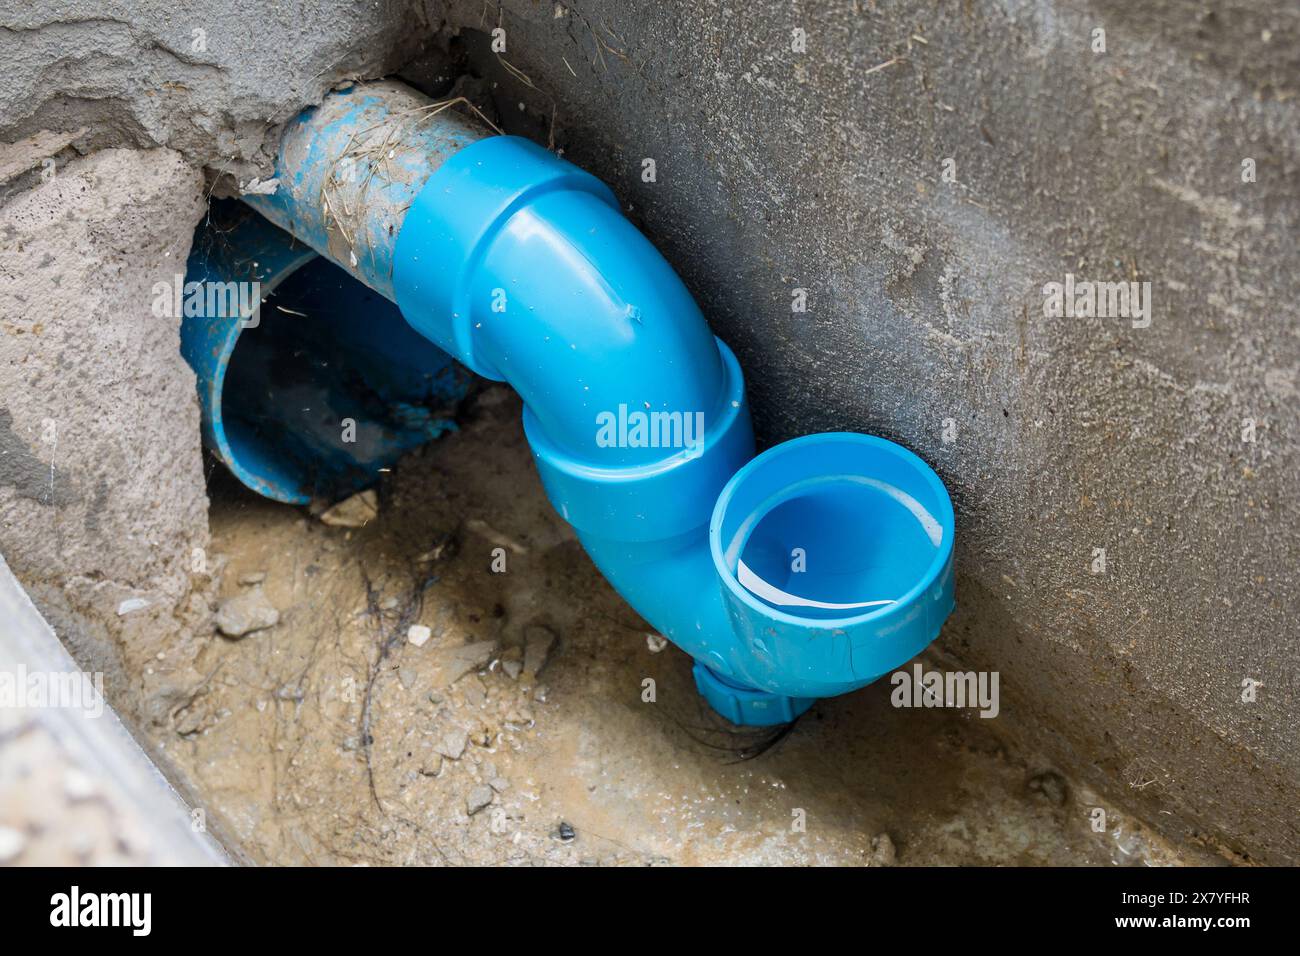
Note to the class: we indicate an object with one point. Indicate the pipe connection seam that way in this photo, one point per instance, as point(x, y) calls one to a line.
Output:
point(808, 571)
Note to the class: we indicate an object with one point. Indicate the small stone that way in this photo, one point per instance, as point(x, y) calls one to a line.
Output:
point(499, 784)
point(12, 844)
point(246, 613)
point(189, 722)
point(130, 605)
point(453, 663)
point(656, 642)
point(254, 577)
point(480, 797)
point(291, 692)
point(474, 692)
point(512, 661)
point(355, 512)
point(453, 744)
point(538, 642)
point(883, 852)
point(519, 716)
point(565, 833)
point(419, 634)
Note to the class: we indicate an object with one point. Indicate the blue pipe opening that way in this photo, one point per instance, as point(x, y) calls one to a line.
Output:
point(806, 572)
point(835, 554)
point(324, 383)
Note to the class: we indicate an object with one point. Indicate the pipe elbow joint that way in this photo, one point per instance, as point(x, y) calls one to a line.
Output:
point(806, 572)
point(522, 266)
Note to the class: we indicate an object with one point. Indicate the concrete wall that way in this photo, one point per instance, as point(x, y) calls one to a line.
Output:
point(1173, 447)
point(103, 513)
point(212, 79)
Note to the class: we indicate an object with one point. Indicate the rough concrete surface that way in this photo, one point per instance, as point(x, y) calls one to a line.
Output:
point(211, 79)
point(1168, 679)
point(103, 513)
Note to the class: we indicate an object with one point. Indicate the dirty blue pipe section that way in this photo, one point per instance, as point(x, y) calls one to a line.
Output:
point(807, 571)
point(310, 383)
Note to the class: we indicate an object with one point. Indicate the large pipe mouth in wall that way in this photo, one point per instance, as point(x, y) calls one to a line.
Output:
point(313, 382)
point(805, 572)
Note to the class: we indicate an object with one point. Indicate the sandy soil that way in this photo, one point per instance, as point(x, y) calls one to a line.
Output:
point(330, 738)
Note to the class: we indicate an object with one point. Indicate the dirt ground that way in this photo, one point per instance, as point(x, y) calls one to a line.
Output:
point(518, 734)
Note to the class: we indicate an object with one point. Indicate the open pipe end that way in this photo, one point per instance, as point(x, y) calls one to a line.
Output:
point(314, 382)
point(835, 557)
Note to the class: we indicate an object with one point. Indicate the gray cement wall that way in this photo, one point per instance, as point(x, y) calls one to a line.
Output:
point(212, 79)
point(921, 170)
point(103, 513)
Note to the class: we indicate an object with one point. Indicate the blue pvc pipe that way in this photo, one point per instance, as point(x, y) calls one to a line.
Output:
point(322, 384)
point(349, 169)
point(520, 265)
point(808, 571)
